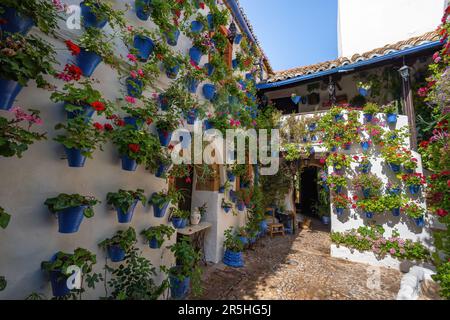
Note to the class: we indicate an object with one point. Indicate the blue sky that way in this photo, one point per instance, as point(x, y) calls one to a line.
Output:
point(294, 33)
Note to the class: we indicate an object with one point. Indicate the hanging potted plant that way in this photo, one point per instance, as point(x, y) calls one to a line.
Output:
point(94, 47)
point(209, 91)
point(233, 249)
point(339, 162)
point(125, 201)
point(226, 205)
point(60, 268)
point(80, 140)
point(193, 78)
point(365, 144)
point(296, 99)
point(364, 164)
point(415, 212)
point(136, 147)
point(198, 214)
point(201, 47)
point(364, 88)
point(409, 162)
point(82, 101)
point(371, 206)
point(336, 182)
point(393, 157)
point(157, 235)
point(369, 184)
point(414, 181)
point(70, 210)
point(119, 244)
point(391, 111)
point(20, 16)
point(172, 64)
point(143, 9)
point(393, 188)
point(186, 272)
point(141, 43)
point(225, 187)
point(97, 13)
point(341, 202)
point(165, 125)
point(16, 136)
point(179, 218)
point(369, 110)
point(394, 203)
point(161, 200)
point(22, 59)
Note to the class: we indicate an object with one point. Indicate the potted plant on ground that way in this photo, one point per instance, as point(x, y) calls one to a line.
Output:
point(80, 140)
point(118, 246)
point(415, 212)
point(22, 59)
point(20, 16)
point(369, 184)
point(414, 181)
point(156, 235)
point(179, 218)
point(336, 182)
point(369, 110)
point(371, 206)
point(198, 213)
point(136, 147)
point(61, 267)
point(125, 201)
point(233, 249)
point(341, 202)
point(226, 205)
point(70, 210)
point(161, 200)
point(186, 272)
point(391, 111)
point(15, 138)
point(165, 125)
point(394, 203)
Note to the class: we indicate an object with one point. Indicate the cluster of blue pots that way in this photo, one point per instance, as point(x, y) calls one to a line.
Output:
point(233, 259)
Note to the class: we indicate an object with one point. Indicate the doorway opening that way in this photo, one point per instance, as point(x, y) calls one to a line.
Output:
point(309, 193)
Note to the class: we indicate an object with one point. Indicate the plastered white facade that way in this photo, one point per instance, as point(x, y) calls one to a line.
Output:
point(364, 25)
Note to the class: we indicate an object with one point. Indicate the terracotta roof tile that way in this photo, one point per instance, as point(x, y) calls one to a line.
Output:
point(327, 65)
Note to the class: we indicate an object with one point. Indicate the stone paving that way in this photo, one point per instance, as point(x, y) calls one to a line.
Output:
point(297, 267)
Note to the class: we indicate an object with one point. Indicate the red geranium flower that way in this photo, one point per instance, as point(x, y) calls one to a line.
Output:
point(108, 127)
point(98, 106)
point(73, 48)
point(98, 126)
point(441, 212)
point(120, 123)
point(134, 147)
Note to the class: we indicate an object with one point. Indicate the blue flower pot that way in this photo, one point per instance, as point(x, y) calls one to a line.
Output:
point(368, 117)
point(339, 211)
point(312, 127)
point(366, 192)
point(338, 171)
point(195, 54)
point(15, 22)
point(69, 220)
point(238, 38)
point(263, 226)
point(369, 215)
point(414, 189)
point(87, 112)
point(196, 26)
point(163, 102)
point(207, 125)
point(172, 37)
point(365, 146)
point(365, 168)
point(116, 253)
point(338, 189)
point(192, 85)
point(396, 212)
point(192, 116)
point(326, 220)
point(9, 90)
point(59, 283)
point(209, 69)
point(221, 189)
point(296, 99)
point(209, 91)
point(231, 177)
point(408, 170)
point(153, 243)
point(394, 167)
point(179, 223)
point(89, 19)
point(144, 46)
point(244, 240)
point(363, 92)
point(161, 171)
point(128, 164)
point(134, 87)
point(234, 63)
point(249, 76)
point(134, 122)
point(233, 259)
point(139, 8)
point(179, 288)
point(233, 196)
point(338, 117)
point(164, 137)
point(75, 158)
point(88, 61)
point(305, 139)
point(172, 72)
point(158, 211)
point(391, 118)
point(125, 217)
point(394, 191)
point(347, 146)
point(420, 222)
point(210, 20)
point(241, 205)
point(333, 149)
point(226, 209)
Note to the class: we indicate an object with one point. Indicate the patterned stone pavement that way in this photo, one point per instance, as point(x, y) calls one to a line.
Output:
point(297, 267)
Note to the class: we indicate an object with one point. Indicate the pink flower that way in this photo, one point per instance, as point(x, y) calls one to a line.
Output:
point(392, 251)
point(133, 74)
point(132, 57)
point(130, 28)
point(130, 99)
point(58, 5)
point(141, 72)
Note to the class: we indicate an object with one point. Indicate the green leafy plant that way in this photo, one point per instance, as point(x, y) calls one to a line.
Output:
point(413, 210)
point(339, 161)
point(65, 201)
point(334, 181)
point(393, 202)
point(178, 213)
point(392, 155)
point(24, 58)
point(5, 217)
point(14, 138)
point(104, 11)
point(232, 241)
point(167, 122)
point(159, 233)
point(414, 179)
point(368, 181)
point(373, 205)
point(390, 108)
point(442, 277)
point(124, 199)
point(161, 198)
point(292, 152)
point(94, 40)
point(371, 108)
point(81, 135)
point(124, 239)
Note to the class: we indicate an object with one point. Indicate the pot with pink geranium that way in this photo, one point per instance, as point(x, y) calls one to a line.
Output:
point(414, 181)
point(341, 202)
point(415, 212)
point(336, 182)
point(339, 162)
point(409, 162)
point(369, 184)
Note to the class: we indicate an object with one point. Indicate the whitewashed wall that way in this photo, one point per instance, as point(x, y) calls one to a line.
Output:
point(25, 183)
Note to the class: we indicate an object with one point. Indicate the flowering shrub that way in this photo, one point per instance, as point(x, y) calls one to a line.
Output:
point(413, 210)
point(392, 155)
point(375, 132)
point(14, 138)
point(414, 179)
point(373, 239)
